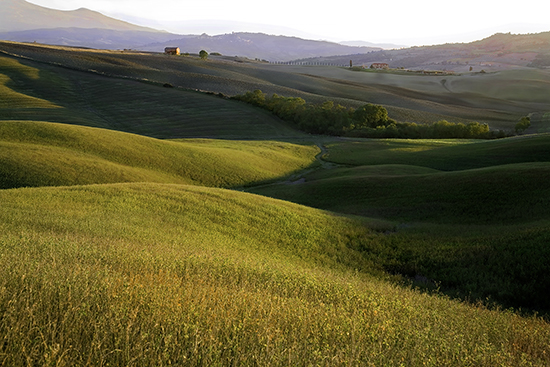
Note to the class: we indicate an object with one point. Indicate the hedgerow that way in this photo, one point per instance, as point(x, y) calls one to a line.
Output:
point(368, 121)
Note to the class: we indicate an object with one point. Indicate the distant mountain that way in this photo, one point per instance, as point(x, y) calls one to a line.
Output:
point(25, 22)
point(260, 46)
point(91, 38)
point(498, 52)
point(19, 15)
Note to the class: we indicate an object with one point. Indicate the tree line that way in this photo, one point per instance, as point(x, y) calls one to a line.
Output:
point(369, 121)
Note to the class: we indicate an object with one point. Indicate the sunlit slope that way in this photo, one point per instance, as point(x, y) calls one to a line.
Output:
point(42, 92)
point(172, 274)
point(46, 154)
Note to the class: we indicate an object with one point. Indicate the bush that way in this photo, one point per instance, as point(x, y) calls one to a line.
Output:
point(523, 124)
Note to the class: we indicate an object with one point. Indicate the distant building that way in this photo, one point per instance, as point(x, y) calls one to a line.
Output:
point(172, 50)
point(379, 65)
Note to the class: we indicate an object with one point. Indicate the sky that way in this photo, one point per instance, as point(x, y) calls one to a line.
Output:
point(401, 22)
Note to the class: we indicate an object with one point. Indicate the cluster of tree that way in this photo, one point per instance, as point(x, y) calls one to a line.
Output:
point(523, 124)
point(370, 120)
point(438, 130)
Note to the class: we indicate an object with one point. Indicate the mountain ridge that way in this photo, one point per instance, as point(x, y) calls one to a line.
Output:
point(20, 15)
point(260, 46)
point(497, 52)
point(21, 21)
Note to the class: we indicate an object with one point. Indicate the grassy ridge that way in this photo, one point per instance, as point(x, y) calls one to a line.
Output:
point(12, 98)
point(445, 181)
point(480, 232)
point(446, 155)
point(155, 274)
point(35, 91)
point(503, 194)
point(46, 154)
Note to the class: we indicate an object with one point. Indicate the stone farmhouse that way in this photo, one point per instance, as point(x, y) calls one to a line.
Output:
point(172, 50)
point(379, 65)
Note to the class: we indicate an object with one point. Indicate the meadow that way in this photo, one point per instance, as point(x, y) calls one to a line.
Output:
point(143, 224)
point(152, 274)
point(48, 154)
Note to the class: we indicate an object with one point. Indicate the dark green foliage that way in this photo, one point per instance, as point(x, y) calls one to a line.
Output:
point(438, 130)
point(368, 121)
point(203, 54)
point(523, 124)
point(371, 116)
point(326, 118)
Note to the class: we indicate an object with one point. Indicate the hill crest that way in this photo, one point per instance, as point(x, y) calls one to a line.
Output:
point(20, 15)
point(498, 52)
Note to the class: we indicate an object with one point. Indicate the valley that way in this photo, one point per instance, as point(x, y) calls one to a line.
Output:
point(149, 219)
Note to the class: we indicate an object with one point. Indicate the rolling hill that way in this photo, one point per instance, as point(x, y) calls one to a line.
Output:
point(260, 46)
point(499, 99)
point(142, 222)
point(25, 22)
point(149, 273)
point(460, 209)
point(494, 53)
point(47, 154)
point(20, 15)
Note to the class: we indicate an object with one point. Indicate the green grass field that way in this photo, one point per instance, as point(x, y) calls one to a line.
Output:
point(472, 216)
point(37, 92)
point(148, 226)
point(47, 154)
point(444, 155)
point(149, 274)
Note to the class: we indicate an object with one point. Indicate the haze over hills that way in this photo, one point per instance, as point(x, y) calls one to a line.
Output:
point(498, 52)
point(19, 15)
point(261, 46)
point(25, 22)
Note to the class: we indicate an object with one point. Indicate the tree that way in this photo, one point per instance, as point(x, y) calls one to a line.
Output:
point(203, 54)
point(371, 116)
point(523, 124)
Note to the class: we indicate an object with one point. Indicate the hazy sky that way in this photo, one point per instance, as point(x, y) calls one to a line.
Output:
point(398, 21)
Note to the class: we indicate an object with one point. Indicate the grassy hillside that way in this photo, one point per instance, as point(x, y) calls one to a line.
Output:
point(509, 194)
point(497, 52)
point(149, 274)
point(498, 99)
point(445, 155)
point(434, 252)
point(34, 91)
point(471, 217)
point(47, 154)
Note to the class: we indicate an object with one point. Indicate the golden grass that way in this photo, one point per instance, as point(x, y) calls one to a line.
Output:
point(148, 274)
point(46, 154)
